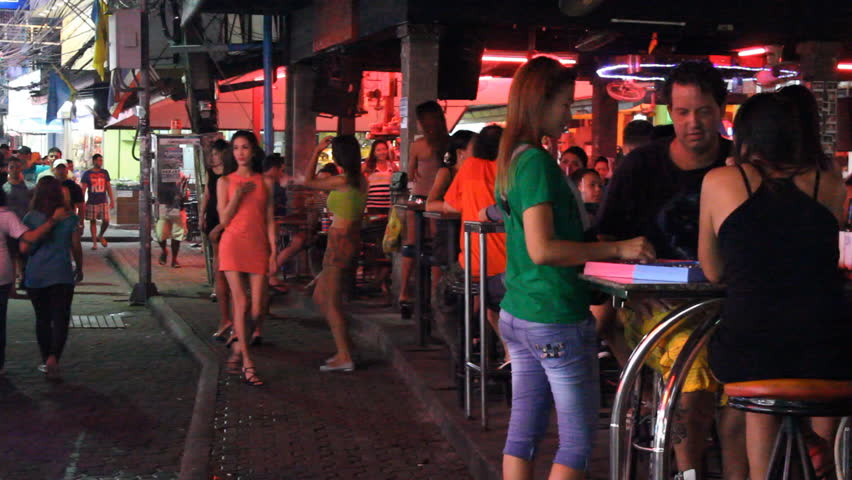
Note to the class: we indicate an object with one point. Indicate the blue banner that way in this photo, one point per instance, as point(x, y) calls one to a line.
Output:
point(14, 5)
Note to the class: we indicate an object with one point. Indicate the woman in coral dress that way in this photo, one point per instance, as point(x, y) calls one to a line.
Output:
point(246, 212)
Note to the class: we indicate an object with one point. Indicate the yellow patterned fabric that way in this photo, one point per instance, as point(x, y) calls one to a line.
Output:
point(662, 358)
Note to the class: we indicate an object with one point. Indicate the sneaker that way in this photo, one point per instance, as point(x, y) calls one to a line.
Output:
point(42, 368)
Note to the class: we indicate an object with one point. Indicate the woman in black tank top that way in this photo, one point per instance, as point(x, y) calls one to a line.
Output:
point(211, 227)
point(769, 231)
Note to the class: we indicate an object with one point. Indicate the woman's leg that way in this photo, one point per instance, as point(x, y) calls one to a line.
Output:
point(331, 282)
point(531, 403)
point(259, 299)
point(41, 305)
point(570, 361)
point(4, 304)
point(62, 295)
point(761, 431)
point(407, 262)
point(240, 302)
point(732, 434)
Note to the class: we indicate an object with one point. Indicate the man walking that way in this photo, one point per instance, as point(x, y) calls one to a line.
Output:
point(171, 223)
point(96, 182)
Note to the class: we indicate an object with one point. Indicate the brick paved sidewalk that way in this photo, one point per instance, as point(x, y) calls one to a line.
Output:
point(305, 425)
point(123, 408)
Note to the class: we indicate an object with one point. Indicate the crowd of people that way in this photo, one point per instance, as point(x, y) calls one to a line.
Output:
point(43, 205)
point(681, 192)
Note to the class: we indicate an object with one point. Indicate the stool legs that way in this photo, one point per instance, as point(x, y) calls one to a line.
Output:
point(789, 437)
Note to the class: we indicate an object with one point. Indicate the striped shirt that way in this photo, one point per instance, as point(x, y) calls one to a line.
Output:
point(378, 190)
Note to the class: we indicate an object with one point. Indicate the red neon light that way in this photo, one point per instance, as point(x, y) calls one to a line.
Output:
point(750, 52)
point(492, 57)
point(846, 67)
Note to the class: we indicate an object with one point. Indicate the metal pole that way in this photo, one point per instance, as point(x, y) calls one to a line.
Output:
point(484, 337)
point(145, 288)
point(268, 79)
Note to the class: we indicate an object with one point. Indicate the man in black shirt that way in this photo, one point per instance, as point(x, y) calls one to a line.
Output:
point(655, 193)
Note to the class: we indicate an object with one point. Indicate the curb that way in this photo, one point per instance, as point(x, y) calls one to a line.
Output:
point(478, 463)
point(195, 460)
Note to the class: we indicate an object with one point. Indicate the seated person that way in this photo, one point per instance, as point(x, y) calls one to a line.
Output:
point(590, 185)
point(472, 191)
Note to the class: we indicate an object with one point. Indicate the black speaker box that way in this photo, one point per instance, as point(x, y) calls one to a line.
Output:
point(337, 88)
point(459, 64)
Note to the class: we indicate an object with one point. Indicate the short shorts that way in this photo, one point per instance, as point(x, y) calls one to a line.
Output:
point(171, 224)
point(662, 358)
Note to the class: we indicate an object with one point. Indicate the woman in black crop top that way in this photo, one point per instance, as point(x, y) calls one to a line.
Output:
point(211, 227)
point(769, 230)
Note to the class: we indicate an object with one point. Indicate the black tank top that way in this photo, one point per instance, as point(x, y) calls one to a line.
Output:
point(784, 315)
point(211, 213)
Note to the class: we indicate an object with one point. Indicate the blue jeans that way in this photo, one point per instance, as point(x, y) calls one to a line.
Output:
point(552, 364)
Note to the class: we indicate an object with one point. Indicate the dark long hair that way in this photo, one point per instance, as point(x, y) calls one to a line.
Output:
point(805, 104)
point(434, 124)
point(347, 154)
point(47, 196)
point(768, 134)
point(370, 163)
point(458, 141)
point(257, 153)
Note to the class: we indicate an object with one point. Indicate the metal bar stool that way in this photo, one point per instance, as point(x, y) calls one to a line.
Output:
point(471, 368)
point(621, 431)
point(791, 399)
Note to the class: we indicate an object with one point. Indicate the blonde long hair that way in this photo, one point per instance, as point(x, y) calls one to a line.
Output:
point(533, 88)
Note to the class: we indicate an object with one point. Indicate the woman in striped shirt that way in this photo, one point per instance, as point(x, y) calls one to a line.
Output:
point(378, 169)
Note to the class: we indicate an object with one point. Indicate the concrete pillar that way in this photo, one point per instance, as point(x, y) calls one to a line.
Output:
point(419, 78)
point(301, 135)
point(604, 122)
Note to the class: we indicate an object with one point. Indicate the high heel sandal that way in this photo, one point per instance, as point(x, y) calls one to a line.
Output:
point(251, 378)
point(220, 334)
point(406, 309)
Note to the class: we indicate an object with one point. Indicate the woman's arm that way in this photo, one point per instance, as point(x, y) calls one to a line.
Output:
point(228, 205)
point(77, 254)
point(708, 241)
point(311, 181)
point(544, 249)
point(35, 235)
point(435, 200)
point(270, 225)
point(412, 162)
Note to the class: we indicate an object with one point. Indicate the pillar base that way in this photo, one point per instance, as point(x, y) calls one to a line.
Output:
point(142, 292)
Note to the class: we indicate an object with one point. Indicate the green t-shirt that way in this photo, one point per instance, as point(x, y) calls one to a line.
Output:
point(541, 293)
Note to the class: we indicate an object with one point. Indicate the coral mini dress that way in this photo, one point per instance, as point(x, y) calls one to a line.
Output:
point(244, 246)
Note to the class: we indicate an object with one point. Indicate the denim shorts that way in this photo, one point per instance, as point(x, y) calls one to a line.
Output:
point(552, 364)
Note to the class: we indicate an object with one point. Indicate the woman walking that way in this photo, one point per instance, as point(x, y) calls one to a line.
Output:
point(346, 203)
point(545, 319)
point(49, 277)
point(212, 227)
point(12, 229)
point(246, 215)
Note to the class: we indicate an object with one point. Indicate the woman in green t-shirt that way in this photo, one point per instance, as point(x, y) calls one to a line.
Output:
point(545, 319)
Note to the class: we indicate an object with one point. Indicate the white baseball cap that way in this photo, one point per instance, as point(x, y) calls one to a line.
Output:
point(59, 162)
